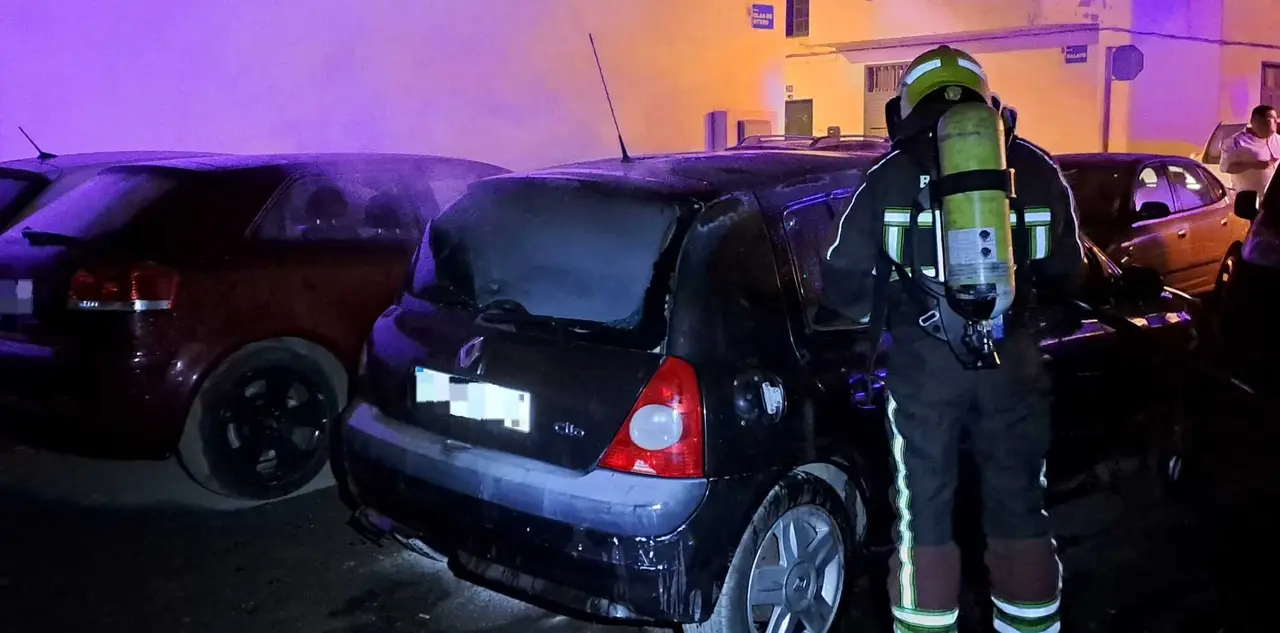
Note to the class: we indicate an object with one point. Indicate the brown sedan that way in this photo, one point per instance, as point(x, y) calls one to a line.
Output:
point(213, 308)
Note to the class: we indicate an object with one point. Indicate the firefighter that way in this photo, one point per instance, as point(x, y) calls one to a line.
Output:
point(959, 241)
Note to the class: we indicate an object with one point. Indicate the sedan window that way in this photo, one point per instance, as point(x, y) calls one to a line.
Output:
point(1189, 188)
point(1152, 186)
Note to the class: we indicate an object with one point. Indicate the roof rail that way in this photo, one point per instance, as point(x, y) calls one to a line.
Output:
point(823, 141)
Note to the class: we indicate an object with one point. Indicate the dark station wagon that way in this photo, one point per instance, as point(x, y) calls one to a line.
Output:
point(209, 307)
point(607, 388)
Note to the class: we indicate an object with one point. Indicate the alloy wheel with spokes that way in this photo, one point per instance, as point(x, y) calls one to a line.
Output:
point(274, 419)
point(258, 428)
point(798, 574)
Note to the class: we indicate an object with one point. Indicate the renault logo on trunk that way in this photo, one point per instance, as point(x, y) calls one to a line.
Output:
point(470, 352)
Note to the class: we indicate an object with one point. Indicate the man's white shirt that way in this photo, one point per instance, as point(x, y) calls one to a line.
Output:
point(1245, 147)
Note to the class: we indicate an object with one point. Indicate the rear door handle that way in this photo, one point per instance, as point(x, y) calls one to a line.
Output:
point(1182, 232)
point(1223, 221)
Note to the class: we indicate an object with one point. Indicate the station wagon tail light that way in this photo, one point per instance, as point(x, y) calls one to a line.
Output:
point(662, 436)
point(139, 288)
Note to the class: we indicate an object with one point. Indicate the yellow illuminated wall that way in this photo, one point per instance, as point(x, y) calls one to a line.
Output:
point(1203, 61)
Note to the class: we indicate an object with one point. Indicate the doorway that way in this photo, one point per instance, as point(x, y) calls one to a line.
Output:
point(799, 117)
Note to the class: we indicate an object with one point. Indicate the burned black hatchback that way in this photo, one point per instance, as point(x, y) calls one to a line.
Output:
point(590, 391)
point(609, 388)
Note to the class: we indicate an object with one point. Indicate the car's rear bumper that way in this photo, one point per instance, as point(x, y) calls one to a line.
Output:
point(93, 404)
point(602, 544)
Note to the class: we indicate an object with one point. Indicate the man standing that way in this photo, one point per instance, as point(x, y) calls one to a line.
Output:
point(1251, 155)
point(885, 261)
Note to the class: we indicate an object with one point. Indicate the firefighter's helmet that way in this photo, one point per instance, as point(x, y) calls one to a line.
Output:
point(939, 69)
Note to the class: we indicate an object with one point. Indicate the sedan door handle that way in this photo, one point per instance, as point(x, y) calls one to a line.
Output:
point(1182, 232)
point(1223, 221)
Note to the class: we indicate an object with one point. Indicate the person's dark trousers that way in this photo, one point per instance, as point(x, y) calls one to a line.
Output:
point(1006, 410)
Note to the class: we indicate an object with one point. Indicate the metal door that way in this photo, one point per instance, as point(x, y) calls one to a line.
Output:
point(799, 117)
point(880, 86)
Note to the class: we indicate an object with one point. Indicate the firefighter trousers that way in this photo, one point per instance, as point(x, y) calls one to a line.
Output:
point(1006, 412)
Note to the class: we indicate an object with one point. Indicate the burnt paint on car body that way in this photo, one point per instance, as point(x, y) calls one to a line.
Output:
point(120, 385)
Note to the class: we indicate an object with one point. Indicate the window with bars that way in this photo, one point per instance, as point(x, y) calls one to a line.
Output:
point(885, 77)
point(797, 18)
point(1270, 94)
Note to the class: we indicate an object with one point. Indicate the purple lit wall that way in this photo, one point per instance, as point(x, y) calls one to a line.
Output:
point(1173, 104)
point(507, 81)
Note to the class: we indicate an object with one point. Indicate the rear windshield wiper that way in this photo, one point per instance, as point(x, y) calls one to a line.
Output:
point(509, 312)
point(446, 295)
point(49, 238)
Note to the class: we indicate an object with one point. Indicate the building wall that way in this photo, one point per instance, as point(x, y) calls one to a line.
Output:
point(845, 20)
point(1250, 21)
point(496, 80)
point(1241, 80)
point(1203, 61)
point(1065, 118)
point(834, 84)
point(1058, 109)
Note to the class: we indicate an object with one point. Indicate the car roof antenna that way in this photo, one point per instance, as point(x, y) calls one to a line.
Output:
point(43, 155)
point(626, 158)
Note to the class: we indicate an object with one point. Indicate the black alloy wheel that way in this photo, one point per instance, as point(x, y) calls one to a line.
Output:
point(274, 421)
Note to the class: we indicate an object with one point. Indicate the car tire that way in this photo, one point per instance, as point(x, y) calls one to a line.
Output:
point(799, 497)
point(238, 412)
point(1230, 263)
point(1175, 460)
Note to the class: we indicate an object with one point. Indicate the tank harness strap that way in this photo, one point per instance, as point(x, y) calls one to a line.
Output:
point(937, 318)
point(976, 180)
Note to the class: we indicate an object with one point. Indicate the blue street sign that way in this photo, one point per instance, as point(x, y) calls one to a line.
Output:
point(1127, 62)
point(1075, 54)
point(762, 16)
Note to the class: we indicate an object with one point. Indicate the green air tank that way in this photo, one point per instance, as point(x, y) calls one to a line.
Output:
point(977, 239)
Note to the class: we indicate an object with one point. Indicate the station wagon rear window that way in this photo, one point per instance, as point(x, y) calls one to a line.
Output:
point(560, 248)
point(103, 204)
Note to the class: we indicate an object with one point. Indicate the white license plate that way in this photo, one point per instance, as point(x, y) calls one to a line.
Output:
point(474, 400)
point(15, 296)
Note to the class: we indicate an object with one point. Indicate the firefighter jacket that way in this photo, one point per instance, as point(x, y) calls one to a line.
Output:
point(878, 220)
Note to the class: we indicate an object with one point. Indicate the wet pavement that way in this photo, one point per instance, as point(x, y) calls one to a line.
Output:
point(103, 551)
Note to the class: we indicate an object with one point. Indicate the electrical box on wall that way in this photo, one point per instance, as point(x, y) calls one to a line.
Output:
point(726, 128)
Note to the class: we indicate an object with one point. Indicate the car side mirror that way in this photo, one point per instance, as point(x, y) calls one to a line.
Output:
point(1141, 282)
point(1246, 205)
point(1154, 210)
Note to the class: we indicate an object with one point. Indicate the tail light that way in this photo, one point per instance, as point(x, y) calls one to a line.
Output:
point(142, 287)
point(663, 434)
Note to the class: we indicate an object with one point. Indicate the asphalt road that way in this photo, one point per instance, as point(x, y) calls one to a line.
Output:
point(94, 547)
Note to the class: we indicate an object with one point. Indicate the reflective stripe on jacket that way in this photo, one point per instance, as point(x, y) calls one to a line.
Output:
point(897, 223)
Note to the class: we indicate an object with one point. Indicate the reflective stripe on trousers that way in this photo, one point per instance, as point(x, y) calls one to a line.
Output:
point(907, 618)
point(1028, 617)
point(1008, 616)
